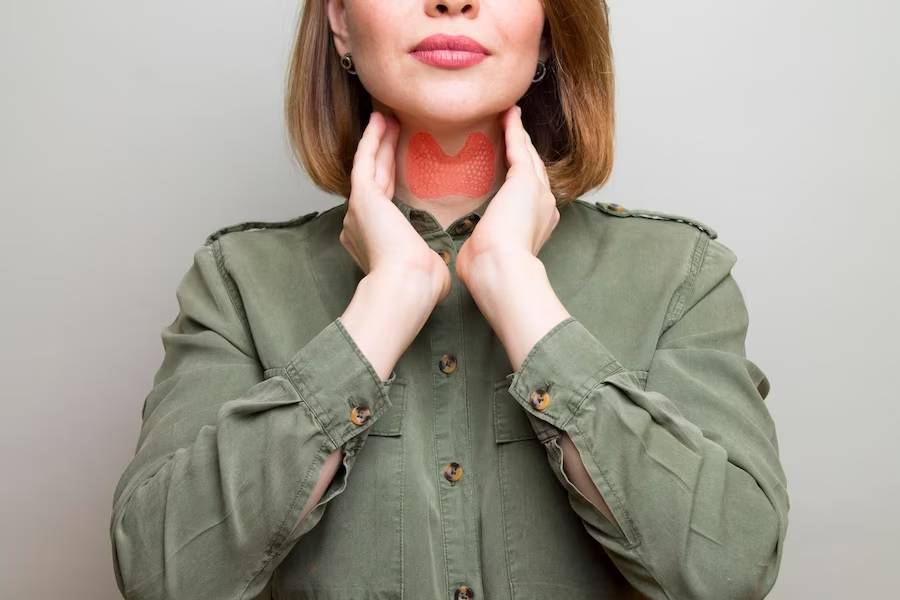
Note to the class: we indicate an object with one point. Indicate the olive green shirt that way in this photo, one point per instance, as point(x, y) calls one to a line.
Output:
point(452, 486)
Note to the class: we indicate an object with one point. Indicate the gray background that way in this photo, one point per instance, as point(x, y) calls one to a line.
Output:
point(131, 130)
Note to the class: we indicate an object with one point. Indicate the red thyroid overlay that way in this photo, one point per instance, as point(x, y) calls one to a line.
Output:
point(432, 174)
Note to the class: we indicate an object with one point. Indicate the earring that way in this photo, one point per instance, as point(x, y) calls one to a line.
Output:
point(541, 71)
point(347, 63)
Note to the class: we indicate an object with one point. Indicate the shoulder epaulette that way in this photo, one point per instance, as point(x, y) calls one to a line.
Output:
point(621, 211)
point(254, 225)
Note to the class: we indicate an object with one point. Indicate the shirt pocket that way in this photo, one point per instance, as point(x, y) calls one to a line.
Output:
point(354, 551)
point(549, 552)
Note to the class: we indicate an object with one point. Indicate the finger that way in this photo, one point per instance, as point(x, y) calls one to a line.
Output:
point(539, 167)
point(384, 159)
point(363, 171)
point(517, 153)
point(536, 161)
point(395, 138)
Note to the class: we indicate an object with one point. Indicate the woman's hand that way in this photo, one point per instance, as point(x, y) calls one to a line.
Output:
point(376, 234)
point(499, 260)
point(405, 278)
point(522, 215)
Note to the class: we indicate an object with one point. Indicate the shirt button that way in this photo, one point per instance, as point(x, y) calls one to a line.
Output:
point(540, 399)
point(616, 207)
point(360, 415)
point(448, 364)
point(466, 225)
point(453, 472)
point(445, 255)
point(463, 593)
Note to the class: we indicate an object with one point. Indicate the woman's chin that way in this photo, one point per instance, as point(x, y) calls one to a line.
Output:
point(456, 110)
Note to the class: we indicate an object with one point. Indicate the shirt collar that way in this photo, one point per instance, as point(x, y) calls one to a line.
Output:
point(424, 221)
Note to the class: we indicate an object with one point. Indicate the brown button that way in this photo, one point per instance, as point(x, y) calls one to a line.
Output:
point(360, 414)
point(463, 593)
point(540, 399)
point(616, 207)
point(453, 472)
point(466, 225)
point(448, 364)
point(445, 255)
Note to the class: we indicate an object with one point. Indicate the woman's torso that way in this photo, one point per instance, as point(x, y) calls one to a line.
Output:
point(401, 527)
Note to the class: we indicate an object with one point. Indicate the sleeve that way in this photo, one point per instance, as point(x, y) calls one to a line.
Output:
point(688, 463)
point(226, 460)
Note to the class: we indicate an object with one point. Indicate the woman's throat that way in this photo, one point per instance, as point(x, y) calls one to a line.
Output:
point(431, 174)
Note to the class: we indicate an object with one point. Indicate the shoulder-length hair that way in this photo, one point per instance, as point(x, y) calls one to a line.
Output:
point(569, 113)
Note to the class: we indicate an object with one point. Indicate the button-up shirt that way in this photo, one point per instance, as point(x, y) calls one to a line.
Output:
point(452, 484)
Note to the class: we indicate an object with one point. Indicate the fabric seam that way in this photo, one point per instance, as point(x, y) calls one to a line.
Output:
point(238, 304)
point(686, 290)
point(512, 589)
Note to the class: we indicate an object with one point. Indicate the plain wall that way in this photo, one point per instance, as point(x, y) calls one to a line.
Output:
point(129, 131)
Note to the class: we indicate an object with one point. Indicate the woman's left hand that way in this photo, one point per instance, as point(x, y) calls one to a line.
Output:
point(522, 214)
point(499, 260)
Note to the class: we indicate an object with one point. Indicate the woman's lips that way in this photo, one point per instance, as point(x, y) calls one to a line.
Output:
point(448, 58)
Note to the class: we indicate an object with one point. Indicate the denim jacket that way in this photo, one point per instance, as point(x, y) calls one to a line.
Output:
point(452, 485)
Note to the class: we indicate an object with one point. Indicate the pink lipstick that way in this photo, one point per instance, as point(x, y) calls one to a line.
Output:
point(449, 51)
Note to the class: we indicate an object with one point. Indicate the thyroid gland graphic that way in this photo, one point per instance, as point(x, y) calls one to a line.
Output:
point(432, 174)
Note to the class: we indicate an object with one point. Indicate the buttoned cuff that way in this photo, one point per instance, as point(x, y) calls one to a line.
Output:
point(558, 374)
point(339, 384)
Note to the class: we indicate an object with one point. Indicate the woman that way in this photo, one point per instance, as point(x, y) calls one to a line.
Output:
point(422, 393)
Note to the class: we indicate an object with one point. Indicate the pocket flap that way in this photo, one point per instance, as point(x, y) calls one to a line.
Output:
point(391, 422)
point(511, 422)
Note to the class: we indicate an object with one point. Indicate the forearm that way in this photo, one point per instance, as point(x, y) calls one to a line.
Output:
point(669, 485)
point(646, 481)
point(520, 321)
point(231, 467)
point(245, 486)
point(380, 304)
point(516, 298)
point(386, 313)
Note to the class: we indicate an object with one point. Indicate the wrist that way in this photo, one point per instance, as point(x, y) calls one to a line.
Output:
point(514, 294)
point(417, 289)
point(385, 315)
point(499, 271)
point(497, 266)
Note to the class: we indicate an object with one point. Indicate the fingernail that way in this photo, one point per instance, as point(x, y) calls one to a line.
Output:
point(519, 108)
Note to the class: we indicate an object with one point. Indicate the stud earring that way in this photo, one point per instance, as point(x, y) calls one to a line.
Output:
point(541, 71)
point(347, 63)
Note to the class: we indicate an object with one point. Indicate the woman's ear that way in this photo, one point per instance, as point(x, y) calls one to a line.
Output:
point(338, 22)
point(546, 43)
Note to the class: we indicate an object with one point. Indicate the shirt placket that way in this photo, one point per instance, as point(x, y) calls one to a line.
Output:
point(452, 448)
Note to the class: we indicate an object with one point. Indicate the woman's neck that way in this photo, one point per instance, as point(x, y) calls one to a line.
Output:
point(449, 169)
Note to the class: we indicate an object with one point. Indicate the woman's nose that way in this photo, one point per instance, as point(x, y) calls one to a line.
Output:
point(456, 7)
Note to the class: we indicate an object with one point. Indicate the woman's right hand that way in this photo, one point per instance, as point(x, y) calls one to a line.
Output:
point(377, 235)
point(405, 278)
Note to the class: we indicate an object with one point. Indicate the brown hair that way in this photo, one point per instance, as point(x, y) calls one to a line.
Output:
point(569, 113)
